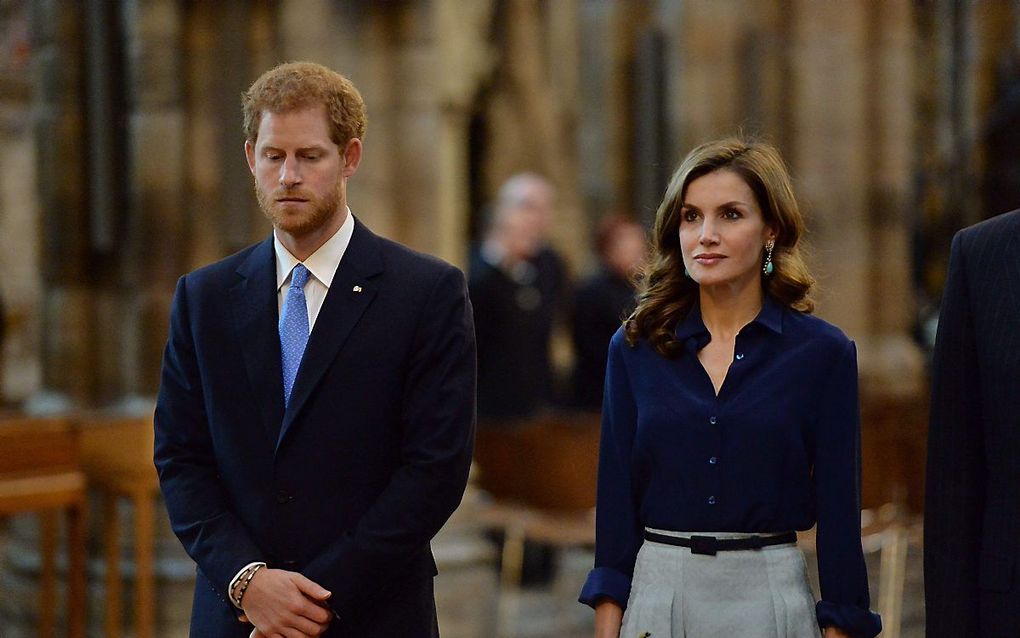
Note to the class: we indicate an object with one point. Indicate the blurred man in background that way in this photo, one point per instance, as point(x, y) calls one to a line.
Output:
point(519, 292)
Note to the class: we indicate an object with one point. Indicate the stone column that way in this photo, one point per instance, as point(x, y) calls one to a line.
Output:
point(464, 59)
point(21, 286)
point(154, 248)
point(68, 321)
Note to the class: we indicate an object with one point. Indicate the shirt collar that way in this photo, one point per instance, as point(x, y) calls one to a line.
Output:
point(770, 316)
point(322, 264)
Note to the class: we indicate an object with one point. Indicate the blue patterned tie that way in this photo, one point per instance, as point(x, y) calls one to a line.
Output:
point(293, 328)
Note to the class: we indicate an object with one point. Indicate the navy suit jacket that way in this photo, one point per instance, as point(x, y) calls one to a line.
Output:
point(972, 509)
point(349, 484)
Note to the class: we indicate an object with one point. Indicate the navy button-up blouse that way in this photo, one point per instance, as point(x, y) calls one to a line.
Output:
point(778, 449)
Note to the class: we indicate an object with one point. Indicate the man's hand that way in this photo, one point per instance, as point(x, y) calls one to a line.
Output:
point(835, 632)
point(285, 604)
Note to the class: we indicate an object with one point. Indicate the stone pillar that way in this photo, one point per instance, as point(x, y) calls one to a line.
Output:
point(828, 157)
point(466, 60)
point(604, 109)
point(68, 321)
point(21, 286)
point(154, 248)
point(223, 216)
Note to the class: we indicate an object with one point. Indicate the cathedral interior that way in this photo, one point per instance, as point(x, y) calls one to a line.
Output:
point(898, 120)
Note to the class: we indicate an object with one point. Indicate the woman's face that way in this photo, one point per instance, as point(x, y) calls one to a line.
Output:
point(722, 231)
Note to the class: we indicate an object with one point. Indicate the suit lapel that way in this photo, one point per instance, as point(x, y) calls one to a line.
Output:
point(254, 303)
point(350, 293)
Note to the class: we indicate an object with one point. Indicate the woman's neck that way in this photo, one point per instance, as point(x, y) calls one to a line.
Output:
point(725, 310)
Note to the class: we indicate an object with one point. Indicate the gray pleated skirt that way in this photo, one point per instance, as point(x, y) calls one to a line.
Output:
point(754, 593)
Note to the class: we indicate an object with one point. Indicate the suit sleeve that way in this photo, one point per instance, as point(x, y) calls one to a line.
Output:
point(955, 475)
point(618, 529)
point(438, 416)
point(199, 509)
point(842, 574)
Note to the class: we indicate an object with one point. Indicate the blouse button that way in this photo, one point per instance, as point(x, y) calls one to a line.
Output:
point(712, 420)
point(713, 461)
point(711, 500)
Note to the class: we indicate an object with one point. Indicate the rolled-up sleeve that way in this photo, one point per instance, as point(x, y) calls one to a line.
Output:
point(617, 526)
point(842, 573)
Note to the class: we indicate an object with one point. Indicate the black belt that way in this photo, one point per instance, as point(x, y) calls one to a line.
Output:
point(709, 545)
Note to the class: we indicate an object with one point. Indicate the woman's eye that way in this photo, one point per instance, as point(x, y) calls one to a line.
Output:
point(732, 213)
point(689, 215)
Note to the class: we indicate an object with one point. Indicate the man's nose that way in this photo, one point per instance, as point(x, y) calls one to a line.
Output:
point(290, 173)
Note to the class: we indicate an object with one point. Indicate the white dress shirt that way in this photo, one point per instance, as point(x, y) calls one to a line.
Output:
point(322, 265)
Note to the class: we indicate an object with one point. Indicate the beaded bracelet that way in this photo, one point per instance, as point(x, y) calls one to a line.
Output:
point(243, 583)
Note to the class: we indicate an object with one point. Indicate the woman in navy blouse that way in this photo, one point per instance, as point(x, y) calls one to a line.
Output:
point(730, 420)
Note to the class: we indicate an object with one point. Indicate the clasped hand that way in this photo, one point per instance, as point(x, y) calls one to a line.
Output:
point(283, 604)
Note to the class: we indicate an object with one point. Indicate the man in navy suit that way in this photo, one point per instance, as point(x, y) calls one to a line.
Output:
point(972, 509)
point(315, 419)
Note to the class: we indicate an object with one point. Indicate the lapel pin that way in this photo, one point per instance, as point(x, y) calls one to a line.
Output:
point(357, 289)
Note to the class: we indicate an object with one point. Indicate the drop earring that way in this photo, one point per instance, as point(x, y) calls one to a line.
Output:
point(768, 267)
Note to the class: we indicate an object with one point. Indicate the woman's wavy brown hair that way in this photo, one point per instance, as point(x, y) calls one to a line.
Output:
point(667, 295)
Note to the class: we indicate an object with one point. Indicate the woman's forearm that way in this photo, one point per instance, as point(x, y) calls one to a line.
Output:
point(608, 619)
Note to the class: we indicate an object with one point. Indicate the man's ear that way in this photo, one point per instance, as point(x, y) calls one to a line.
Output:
point(249, 153)
point(352, 157)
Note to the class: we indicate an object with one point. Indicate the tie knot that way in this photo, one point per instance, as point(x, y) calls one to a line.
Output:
point(299, 276)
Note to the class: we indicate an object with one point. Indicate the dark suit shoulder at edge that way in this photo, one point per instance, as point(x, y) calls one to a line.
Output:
point(227, 264)
point(397, 255)
point(998, 227)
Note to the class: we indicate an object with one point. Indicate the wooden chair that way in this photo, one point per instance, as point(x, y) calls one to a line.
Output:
point(117, 457)
point(541, 479)
point(40, 473)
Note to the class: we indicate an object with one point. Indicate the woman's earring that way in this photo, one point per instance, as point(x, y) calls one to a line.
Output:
point(768, 267)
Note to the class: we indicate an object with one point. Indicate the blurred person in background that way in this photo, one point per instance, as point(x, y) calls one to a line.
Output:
point(518, 289)
point(730, 420)
point(518, 286)
point(533, 193)
point(314, 424)
point(602, 303)
point(972, 494)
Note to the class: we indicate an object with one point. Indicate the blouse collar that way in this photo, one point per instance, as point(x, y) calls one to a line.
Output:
point(770, 316)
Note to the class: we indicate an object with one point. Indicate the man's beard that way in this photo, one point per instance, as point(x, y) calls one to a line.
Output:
point(318, 214)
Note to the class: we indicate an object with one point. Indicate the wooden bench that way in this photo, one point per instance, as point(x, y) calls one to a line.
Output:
point(40, 473)
point(117, 457)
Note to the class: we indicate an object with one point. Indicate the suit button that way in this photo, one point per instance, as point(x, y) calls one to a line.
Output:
point(282, 497)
